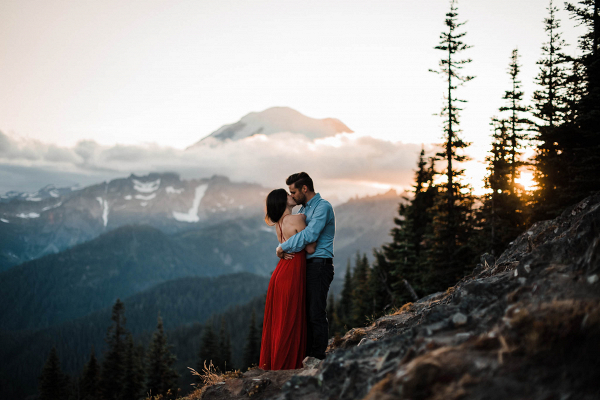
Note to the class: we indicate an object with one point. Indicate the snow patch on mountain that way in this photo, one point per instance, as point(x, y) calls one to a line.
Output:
point(104, 204)
point(142, 197)
point(146, 187)
point(171, 189)
point(51, 207)
point(128, 197)
point(4, 220)
point(28, 215)
point(192, 214)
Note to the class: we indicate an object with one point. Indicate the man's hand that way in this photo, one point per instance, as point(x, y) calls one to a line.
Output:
point(281, 254)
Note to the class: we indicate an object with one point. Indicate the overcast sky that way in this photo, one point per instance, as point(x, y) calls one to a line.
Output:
point(154, 74)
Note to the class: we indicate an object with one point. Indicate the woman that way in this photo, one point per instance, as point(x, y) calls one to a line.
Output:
point(284, 326)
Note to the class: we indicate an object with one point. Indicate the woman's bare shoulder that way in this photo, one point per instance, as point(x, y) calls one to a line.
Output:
point(296, 220)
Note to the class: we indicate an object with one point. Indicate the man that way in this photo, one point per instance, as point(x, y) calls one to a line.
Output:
point(320, 228)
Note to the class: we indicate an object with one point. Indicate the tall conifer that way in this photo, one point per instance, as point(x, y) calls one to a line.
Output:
point(583, 151)
point(209, 347)
point(450, 253)
point(224, 348)
point(53, 382)
point(252, 348)
point(134, 380)
point(344, 306)
point(162, 378)
point(551, 106)
point(113, 367)
point(90, 389)
point(361, 304)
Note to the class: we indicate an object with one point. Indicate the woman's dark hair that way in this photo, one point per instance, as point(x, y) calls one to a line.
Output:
point(276, 204)
point(300, 179)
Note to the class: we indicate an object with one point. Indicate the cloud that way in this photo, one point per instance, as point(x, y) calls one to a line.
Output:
point(344, 165)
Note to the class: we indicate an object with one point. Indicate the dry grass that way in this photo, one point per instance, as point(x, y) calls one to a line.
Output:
point(209, 376)
point(406, 307)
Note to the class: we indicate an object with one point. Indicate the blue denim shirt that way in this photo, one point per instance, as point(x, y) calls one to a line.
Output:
point(320, 228)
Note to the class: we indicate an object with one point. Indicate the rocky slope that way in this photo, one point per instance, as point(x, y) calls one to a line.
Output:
point(524, 326)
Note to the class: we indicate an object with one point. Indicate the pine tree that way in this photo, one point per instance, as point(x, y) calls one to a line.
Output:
point(553, 109)
point(252, 348)
point(379, 286)
point(583, 150)
point(53, 382)
point(361, 304)
point(517, 122)
point(332, 317)
point(224, 348)
point(344, 306)
point(162, 378)
point(209, 347)
point(133, 386)
point(90, 380)
point(499, 219)
point(404, 256)
point(113, 367)
point(452, 224)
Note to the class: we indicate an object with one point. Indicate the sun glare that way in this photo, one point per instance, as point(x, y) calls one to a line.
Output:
point(527, 181)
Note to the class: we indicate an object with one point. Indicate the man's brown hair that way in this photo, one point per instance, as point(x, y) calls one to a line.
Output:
point(300, 179)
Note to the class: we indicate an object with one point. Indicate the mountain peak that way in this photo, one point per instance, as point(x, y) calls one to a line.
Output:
point(276, 120)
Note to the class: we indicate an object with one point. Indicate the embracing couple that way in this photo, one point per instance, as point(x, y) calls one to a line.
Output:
point(295, 323)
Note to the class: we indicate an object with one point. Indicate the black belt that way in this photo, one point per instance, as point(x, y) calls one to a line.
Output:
point(319, 260)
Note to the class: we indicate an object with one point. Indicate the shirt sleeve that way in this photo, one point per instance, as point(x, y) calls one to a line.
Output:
point(309, 234)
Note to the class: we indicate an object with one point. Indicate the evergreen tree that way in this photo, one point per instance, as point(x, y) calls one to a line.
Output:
point(133, 386)
point(499, 219)
point(252, 348)
point(344, 306)
point(553, 108)
point(379, 285)
point(209, 348)
point(517, 122)
point(162, 378)
point(113, 367)
point(583, 150)
point(54, 383)
point(404, 256)
point(332, 317)
point(449, 255)
point(90, 389)
point(361, 304)
point(224, 348)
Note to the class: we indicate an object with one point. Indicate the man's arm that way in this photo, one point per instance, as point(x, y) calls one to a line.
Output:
point(309, 234)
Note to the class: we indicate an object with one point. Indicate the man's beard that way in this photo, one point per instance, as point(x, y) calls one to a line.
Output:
point(302, 201)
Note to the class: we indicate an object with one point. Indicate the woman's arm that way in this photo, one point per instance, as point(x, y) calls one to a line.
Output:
point(311, 247)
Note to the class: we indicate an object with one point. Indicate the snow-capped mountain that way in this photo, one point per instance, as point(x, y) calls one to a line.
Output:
point(47, 224)
point(276, 120)
point(48, 191)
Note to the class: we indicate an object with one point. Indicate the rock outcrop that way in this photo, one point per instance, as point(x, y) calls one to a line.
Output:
point(524, 326)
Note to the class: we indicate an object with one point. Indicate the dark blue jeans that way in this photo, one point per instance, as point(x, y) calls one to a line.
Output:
point(318, 280)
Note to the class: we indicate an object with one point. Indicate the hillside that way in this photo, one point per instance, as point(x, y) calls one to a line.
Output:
point(524, 326)
point(184, 304)
point(71, 284)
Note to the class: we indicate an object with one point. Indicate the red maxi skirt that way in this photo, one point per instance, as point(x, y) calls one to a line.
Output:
point(283, 343)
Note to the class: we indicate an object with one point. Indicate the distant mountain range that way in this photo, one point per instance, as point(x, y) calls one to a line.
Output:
point(276, 120)
point(33, 225)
